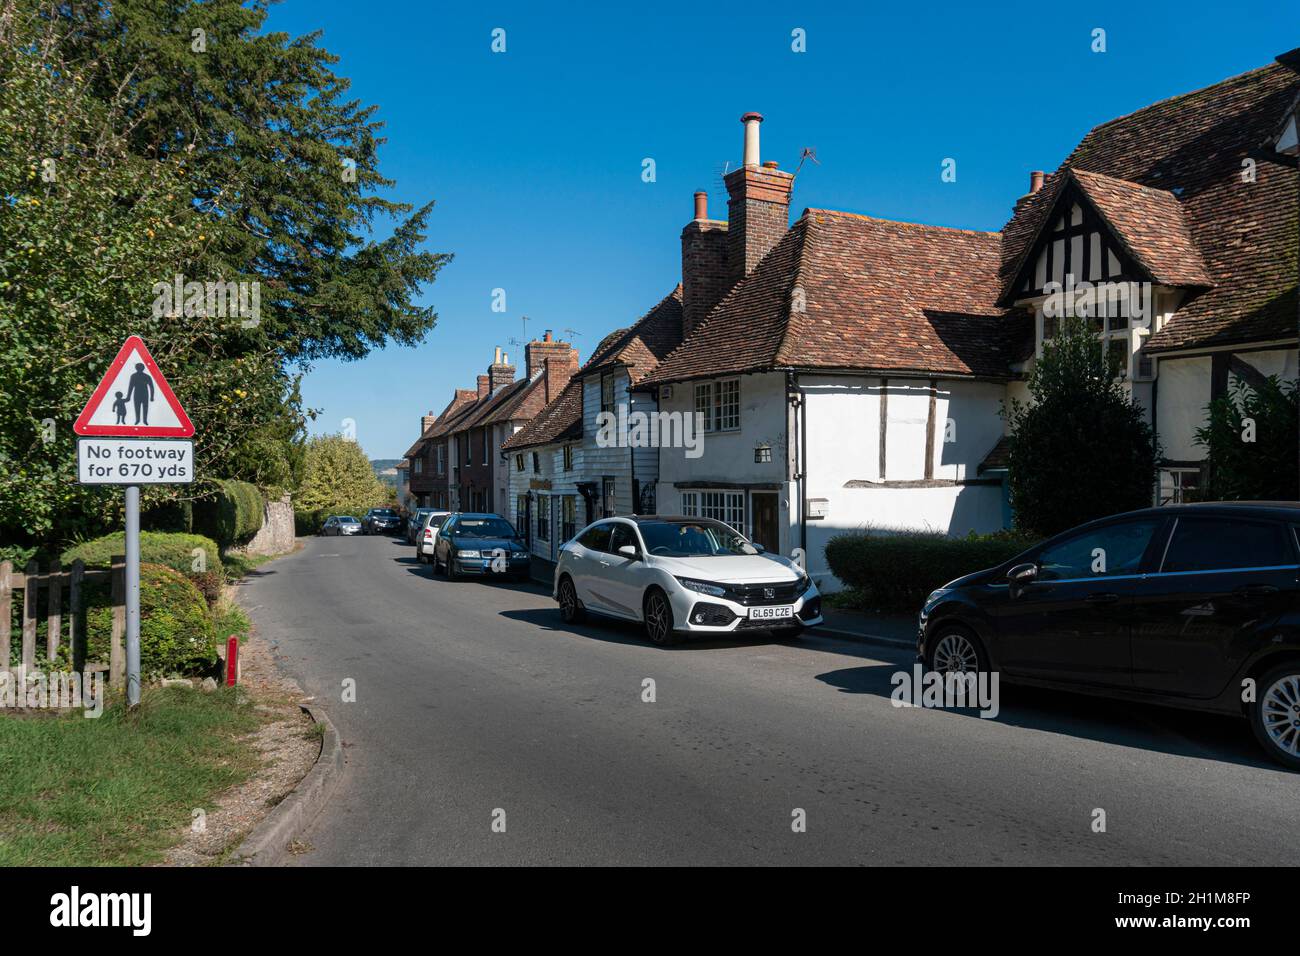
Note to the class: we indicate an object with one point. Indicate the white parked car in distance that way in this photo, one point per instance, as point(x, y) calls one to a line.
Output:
point(427, 535)
point(679, 575)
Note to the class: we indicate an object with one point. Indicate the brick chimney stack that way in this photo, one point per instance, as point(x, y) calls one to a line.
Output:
point(705, 275)
point(500, 373)
point(556, 373)
point(484, 385)
point(537, 352)
point(426, 421)
point(759, 207)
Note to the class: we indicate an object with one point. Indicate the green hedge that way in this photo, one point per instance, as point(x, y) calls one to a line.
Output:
point(897, 571)
point(173, 516)
point(175, 551)
point(176, 635)
point(232, 514)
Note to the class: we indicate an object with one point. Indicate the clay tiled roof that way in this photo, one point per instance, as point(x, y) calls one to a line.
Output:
point(1193, 147)
point(1151, 226)
point(998, 458)
point(462, 398)
point(844, 291)
point(561, 419)
point(642, 345)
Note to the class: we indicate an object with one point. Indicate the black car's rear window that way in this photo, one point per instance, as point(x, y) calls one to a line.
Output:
point(1210, 544)
point(483, 528)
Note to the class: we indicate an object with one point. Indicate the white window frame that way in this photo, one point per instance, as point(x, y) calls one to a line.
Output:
point(720, 504)
point(709, 398)
point(1178, 489)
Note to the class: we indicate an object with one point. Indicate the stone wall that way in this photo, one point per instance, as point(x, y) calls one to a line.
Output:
point(276, 535)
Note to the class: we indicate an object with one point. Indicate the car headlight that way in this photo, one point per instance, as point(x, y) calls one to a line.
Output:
point(468, 554)
point(702, 587)
point(935, 595)
point(804, 583)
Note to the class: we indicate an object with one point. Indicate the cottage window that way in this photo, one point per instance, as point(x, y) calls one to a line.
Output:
point(568, 458)
point(1178, 485)
point(719, 404)
point(442, 465)
point(537, 464)
point(519, 462)
point(725, 506)
point(487, 433)
point(418, 464)
point(608, 498)
point(607, 392)
point(521, 513)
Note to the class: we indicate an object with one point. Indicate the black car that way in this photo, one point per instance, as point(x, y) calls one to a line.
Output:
point(1194, 606)
point(381, 521)
point(480, 545)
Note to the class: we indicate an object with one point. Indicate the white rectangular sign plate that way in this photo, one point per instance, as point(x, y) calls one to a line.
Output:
point(135, 461)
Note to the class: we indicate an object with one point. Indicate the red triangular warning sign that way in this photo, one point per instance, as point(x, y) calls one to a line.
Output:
point(134, 399)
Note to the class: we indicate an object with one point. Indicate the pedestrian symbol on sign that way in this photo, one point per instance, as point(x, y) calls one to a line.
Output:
point(137, 386)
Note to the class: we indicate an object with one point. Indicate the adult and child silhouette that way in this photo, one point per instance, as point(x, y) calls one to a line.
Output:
point(140, 392)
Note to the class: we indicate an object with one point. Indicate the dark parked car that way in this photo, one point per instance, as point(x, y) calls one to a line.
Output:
point(1194, 606)
point(338, 525)
point(481, 545)
point(381, 521)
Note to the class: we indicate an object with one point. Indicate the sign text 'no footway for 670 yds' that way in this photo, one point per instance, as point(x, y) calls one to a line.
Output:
point(134, 461)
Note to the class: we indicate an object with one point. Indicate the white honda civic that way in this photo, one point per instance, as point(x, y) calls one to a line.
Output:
point(679, 576)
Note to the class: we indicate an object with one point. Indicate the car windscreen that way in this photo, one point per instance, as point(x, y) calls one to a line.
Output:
point(482, 528)
point(347, 520)
point(692, 539)
point(384, 513)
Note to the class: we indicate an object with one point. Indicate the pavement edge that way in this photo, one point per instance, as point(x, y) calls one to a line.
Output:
point(267, 844)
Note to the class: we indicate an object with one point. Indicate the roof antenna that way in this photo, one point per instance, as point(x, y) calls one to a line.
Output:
point(809, 152)
point(572, 333)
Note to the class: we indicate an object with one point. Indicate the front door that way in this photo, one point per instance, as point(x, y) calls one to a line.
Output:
point(1072, 623)
point(764, 521)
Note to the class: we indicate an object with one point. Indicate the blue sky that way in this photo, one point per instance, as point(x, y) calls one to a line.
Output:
point(534, 156)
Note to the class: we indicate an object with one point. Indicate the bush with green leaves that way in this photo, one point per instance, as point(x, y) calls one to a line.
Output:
point(232, 514)
point(1250, 435)
point(176, 551)
point(896, 570)
point(338, 479)
point(1082, 448)
point(176, 634)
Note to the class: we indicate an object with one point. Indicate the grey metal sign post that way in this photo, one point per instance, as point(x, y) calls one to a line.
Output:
point(144, 452)
point(133, 595)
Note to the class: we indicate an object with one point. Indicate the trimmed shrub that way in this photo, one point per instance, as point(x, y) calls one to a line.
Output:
point(232, 514)
point(175, 551)
point(176, 636)
point(898, 570)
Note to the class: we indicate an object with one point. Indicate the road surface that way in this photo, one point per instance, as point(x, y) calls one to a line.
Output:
point(476, 707)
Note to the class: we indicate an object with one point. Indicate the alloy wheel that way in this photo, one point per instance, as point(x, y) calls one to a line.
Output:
point(955, 654)
point(568, 601)
point(658, 623)
point(1280, 714)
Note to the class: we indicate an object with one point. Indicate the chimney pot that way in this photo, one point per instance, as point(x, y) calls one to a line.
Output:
point(1035, 181)
point(751, 121)
point(771, 164)
point(546, 336)
point(701, 205)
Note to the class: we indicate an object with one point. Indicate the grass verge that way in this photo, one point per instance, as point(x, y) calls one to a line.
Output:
point(117, 790)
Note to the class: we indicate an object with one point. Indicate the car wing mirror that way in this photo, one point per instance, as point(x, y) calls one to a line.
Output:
point(758, 547)
point(628, 551)
point(1023, 574)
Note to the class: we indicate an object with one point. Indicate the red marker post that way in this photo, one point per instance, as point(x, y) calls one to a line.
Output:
point(232, 662)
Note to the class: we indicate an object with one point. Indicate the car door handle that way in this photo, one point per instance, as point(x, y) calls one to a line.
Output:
point(1102, 597)
point(1255, 590)
point(605, 564)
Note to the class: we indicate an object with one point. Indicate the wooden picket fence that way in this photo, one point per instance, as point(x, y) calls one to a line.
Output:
point(61, 617)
